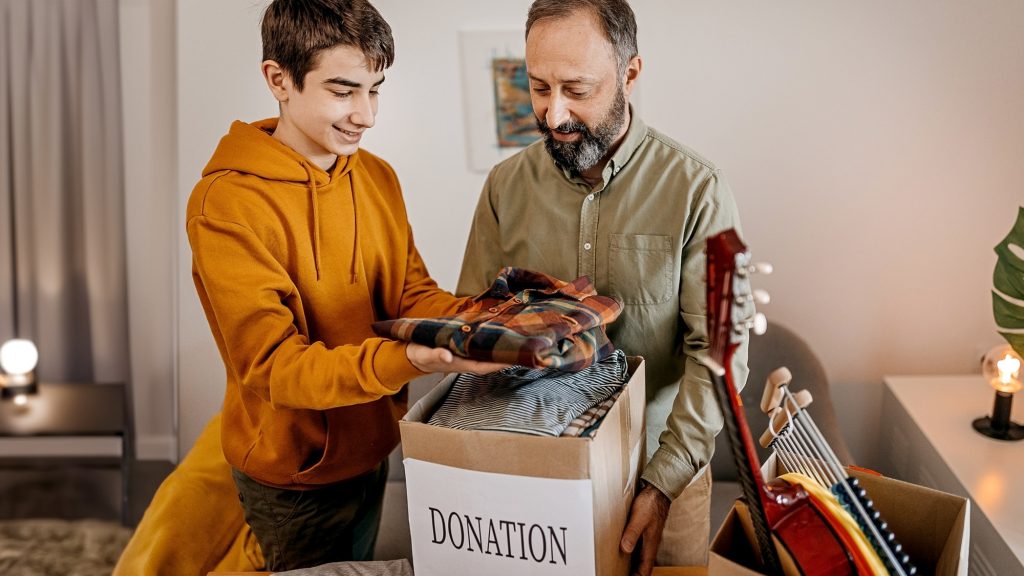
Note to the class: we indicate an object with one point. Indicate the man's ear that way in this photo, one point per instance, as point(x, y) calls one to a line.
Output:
point(632, 74)
point(278, 81)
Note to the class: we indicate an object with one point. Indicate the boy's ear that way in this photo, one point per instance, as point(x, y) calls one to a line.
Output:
point(278, 81)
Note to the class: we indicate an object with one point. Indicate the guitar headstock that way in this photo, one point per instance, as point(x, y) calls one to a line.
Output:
point(729, 295)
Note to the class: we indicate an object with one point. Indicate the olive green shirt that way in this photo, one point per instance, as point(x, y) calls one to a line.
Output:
point(639, 235)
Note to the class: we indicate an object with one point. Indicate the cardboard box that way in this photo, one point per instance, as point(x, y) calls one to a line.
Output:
point(932, 526)
point(496, 503)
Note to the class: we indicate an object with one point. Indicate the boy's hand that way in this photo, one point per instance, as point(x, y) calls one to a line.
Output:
point(431, 360)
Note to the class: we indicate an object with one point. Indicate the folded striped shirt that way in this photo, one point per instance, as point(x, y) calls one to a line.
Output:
point(586, 423)
point(526, 318)
point(540, 402)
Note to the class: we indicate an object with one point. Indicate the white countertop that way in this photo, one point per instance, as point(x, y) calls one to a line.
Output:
point(992, 471)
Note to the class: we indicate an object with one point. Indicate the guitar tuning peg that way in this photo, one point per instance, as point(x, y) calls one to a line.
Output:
point(771, 398)
point(761, 296)
point(760, 268)
point(759, 324)
point(779, 377)
point(801, 399)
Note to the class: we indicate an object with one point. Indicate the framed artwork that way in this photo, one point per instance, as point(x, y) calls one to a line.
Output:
point(498, 114)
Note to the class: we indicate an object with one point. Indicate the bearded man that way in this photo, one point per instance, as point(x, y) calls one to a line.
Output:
point(605, 196)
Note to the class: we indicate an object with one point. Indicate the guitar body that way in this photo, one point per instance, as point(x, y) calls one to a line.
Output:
point(793, 518)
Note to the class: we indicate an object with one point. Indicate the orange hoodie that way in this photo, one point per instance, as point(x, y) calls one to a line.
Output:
point(292, 265)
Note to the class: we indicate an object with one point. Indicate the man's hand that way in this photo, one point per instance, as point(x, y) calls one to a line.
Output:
point(430, 360)
point(646, 521)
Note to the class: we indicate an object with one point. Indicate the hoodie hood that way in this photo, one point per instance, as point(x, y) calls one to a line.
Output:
point(252, 149)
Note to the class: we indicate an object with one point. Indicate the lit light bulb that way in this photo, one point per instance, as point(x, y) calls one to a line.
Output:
point(1009, 369)
point(1001, 366)
point(18, 356)
point(21, 400)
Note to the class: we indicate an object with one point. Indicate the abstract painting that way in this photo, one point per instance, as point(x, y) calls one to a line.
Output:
point(514, 119)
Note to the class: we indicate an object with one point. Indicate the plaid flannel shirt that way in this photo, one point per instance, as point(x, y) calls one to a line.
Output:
point(526, 318)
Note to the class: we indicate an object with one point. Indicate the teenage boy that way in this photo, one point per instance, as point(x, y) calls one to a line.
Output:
point(300, 242)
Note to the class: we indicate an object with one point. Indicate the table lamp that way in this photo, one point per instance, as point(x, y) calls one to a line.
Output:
point(18, 358)
point(1002, 369)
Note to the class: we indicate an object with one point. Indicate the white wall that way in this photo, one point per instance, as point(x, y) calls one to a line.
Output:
point(873, 147)
point(147, 57)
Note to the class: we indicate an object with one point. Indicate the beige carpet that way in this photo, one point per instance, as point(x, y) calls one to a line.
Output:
point(60, 547)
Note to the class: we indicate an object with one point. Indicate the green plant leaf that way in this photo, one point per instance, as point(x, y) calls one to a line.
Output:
point(1008, 280)
point(1008, 314)
point(1016, 342)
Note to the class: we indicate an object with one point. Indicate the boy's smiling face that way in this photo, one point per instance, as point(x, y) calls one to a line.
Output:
point(327, 118)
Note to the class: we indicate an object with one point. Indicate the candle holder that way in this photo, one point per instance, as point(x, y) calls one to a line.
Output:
point(1001, 367)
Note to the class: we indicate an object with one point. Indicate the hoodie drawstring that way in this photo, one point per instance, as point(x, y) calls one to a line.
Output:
point(354, 268)
point(355, 232)
point(316, 218)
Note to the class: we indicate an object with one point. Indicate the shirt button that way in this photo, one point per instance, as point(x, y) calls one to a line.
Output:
point(586, 246)
point(465, 328)
point(590, 197)
point(517, 300)
point(492, 309)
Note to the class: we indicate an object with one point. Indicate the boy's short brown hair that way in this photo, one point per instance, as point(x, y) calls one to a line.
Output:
point(295, 32)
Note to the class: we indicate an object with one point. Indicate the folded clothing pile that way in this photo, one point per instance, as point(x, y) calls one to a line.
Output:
point(526, 318)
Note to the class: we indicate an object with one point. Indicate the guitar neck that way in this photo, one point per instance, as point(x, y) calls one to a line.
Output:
point(747, 466)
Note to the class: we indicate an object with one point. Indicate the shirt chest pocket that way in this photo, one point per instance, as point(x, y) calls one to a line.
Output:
point(640, 268)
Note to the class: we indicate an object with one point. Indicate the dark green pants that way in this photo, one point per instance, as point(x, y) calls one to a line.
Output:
point(304, 528)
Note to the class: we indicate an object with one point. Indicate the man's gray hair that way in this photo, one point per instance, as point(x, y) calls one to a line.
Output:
point(615, 16)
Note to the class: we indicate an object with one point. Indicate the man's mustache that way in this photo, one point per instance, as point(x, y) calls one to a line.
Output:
point(567, 127)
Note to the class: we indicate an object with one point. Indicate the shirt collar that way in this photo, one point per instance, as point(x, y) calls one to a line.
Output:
point(634, 137)
point(522, 282)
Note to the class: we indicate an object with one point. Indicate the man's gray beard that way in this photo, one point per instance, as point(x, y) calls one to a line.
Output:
point(583, 154)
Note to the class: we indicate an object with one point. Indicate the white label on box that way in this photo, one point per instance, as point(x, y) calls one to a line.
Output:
point(470, 523)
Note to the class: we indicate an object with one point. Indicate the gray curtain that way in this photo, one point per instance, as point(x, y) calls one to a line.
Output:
point(62, 245)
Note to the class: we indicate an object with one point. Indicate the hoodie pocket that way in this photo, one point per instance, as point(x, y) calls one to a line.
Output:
point(640, 268)
point(309, 474)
